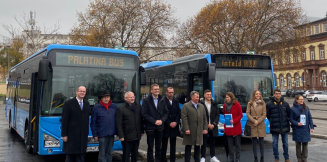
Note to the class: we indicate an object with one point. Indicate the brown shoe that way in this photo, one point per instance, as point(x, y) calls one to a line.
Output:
point(276, 160)
point(288, 160)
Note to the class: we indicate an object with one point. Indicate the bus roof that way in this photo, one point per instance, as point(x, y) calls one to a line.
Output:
point(77, 48)
point(153, 64)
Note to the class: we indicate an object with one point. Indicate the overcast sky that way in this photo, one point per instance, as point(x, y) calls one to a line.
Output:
point(64, 12)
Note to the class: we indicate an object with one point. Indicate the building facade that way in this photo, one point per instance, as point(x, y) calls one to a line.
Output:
point(306, 67)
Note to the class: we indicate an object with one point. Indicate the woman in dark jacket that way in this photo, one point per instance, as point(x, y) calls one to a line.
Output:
point(233, 133)
point(256, 113)
point(302, 125)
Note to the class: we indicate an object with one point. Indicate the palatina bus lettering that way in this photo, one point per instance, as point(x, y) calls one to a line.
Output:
point(99, 61)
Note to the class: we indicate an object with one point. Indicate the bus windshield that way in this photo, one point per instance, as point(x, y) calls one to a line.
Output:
point(66, 79)
point(242, 83)
point(98, 72)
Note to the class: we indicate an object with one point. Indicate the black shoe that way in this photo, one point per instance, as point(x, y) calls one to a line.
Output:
point(255, 159)
point(262, 159)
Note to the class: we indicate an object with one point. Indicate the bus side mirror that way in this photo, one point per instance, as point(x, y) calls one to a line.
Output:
point(211, 71)
point(142, 75)
point(43, 69)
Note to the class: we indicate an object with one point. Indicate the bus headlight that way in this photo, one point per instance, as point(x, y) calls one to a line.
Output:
point(220, 126)
point(50, 141)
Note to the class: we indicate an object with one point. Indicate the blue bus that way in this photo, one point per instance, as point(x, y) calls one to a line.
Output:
point(38, 87)
point(221, 73)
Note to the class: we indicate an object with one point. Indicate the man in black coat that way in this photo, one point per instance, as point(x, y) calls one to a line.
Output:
point(129, 127)
point(171, 129)
point(154, 117)
point(278, 114)
point(75, 126)
point(212, 113)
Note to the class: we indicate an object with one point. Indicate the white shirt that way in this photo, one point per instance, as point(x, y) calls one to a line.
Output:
point(208, 105)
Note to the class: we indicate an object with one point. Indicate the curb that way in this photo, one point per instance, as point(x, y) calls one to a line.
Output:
point(320, 136)
point(319, 118)
point(179, 154)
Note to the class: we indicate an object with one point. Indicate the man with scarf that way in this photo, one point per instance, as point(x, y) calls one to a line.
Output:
point(103, 126)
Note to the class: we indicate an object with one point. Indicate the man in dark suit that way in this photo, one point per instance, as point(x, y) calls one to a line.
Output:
point(75, 126)
point(154, 117)
point(171, 129)
point(212, 113)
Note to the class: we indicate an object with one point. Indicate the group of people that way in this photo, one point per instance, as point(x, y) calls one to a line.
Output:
point(159, 117)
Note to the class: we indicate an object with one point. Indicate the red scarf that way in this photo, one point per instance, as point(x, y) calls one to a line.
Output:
point(105, 105)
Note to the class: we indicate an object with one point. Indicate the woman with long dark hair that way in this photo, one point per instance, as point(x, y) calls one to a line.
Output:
point(256, 113)
point(233, 130)
point(302, 125)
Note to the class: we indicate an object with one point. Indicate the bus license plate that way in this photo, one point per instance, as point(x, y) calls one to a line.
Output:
point(92, 149)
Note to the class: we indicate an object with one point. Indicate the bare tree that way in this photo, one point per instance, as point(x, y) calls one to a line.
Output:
point(237, 26)
point(28, 32)
point(126, 23)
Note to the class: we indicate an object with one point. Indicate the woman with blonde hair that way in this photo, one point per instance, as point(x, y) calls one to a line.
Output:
point(256, 113)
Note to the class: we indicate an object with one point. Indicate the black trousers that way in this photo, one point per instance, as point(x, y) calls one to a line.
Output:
point(188, 149)
point(130, 150)
point(154, 137)
point(75, 158)
point(164, 146)
point(208, 139)
point(234, 147)
point(255, 141)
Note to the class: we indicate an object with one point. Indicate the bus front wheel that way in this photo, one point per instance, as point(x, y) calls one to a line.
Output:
point(28, 146)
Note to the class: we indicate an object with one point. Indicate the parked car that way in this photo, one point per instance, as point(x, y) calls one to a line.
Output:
point(298, 92)
point(289, 92)
point(306, 93)
point(317, 96)
point(283, 92)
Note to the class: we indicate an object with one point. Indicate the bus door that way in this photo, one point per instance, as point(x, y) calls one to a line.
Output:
point(32, 135)
point(15, 102)
point(196, 83)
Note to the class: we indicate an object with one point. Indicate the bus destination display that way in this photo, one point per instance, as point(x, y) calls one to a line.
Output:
point(242, 61)
point(93, 60)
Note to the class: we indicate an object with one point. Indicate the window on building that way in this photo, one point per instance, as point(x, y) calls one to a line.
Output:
point(289, 81)
point(308, 31)
point(325, 27)
point(317, 29)
point(281, 82)
point(297, 80)
point(303, 55)
point(287, 55)
point(295, 58)
point(323, 79)
point(322, 53)
point(312, 53)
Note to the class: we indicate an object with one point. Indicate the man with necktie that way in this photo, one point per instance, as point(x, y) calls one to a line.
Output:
point(75, 126)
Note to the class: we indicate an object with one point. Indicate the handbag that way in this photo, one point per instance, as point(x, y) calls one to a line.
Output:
point(247, 129)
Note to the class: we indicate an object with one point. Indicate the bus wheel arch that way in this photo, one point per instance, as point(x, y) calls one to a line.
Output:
point(28, 146)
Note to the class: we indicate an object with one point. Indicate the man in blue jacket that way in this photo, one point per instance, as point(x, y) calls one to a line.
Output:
point(278, 114)
point(103, 126)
